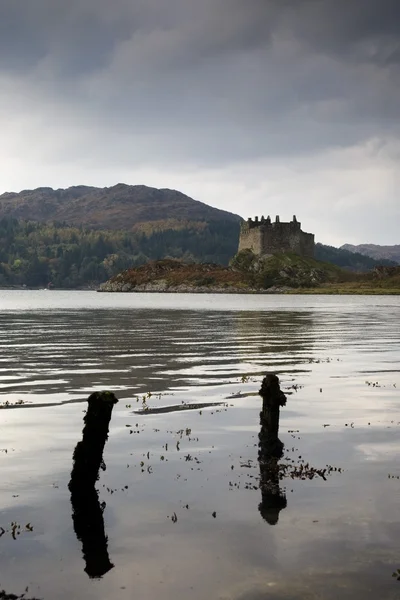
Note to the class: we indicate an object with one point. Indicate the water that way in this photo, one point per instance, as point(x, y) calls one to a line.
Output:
point(338, 360)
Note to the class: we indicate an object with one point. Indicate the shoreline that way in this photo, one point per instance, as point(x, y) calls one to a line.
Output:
point(156, 289)
point(150, 289)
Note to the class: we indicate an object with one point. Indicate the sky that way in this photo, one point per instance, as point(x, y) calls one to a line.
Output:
point(253, 106)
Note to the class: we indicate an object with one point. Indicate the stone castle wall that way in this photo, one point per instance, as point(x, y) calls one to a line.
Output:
point(264, 237)
point(252, 239)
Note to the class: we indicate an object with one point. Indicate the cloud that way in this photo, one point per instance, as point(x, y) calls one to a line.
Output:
point(289, 91)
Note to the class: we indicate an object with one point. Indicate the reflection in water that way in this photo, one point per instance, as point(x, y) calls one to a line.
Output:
point(273, 499)
point(158, 410)
point(278, 338)
point(5, 596)
point(200, 356)
point(270, 451)
point(137, 351)
point(87, 512)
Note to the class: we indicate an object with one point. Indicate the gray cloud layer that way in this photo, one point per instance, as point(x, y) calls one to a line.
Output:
point(293, 103)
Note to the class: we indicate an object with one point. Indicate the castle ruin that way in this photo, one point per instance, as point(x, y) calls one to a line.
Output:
point(265, 237)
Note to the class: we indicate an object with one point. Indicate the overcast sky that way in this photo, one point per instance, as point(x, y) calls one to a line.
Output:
point(255, 106)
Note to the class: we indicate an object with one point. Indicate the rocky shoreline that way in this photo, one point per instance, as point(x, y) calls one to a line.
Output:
point(279, 274)
point(164, 288)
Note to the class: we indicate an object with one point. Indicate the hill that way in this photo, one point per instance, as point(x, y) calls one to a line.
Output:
point(82, 235)
point(34, 254)
point(379, 253)
point(121, 207)
point(353, 261)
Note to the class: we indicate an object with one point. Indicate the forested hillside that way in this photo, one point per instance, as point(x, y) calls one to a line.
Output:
point(353, 261)
point(34, 254)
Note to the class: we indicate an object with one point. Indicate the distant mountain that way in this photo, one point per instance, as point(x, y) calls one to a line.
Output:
point(121, 207)
point(379, 253)
point(350, 260)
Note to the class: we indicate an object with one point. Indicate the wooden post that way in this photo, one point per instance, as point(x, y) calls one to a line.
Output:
point(87, 512)
point(273, 398)
point(273, 500)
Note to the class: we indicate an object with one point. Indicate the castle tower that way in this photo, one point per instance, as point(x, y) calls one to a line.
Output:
point(266, 238)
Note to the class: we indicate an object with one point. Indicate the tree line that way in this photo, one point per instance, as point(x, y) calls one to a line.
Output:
point(352, 261)
point(36, 254)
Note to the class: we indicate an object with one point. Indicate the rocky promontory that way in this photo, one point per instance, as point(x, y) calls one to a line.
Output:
point(174, 276)
point(252, 274)
point(247, 274)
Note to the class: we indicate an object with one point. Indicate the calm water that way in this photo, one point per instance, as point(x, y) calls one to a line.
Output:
point(338, 360)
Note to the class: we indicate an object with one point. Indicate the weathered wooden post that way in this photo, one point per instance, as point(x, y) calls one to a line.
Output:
point(273, 500)
point(87, 512)
point(273, 398)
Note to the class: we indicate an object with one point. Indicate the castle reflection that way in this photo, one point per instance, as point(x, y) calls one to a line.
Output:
point(276, 339)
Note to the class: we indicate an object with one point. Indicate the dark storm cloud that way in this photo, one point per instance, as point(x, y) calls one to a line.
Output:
point(360, 29)
point(78, 35)
point(30, 31)
point(340, 26)
point(265, 57)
